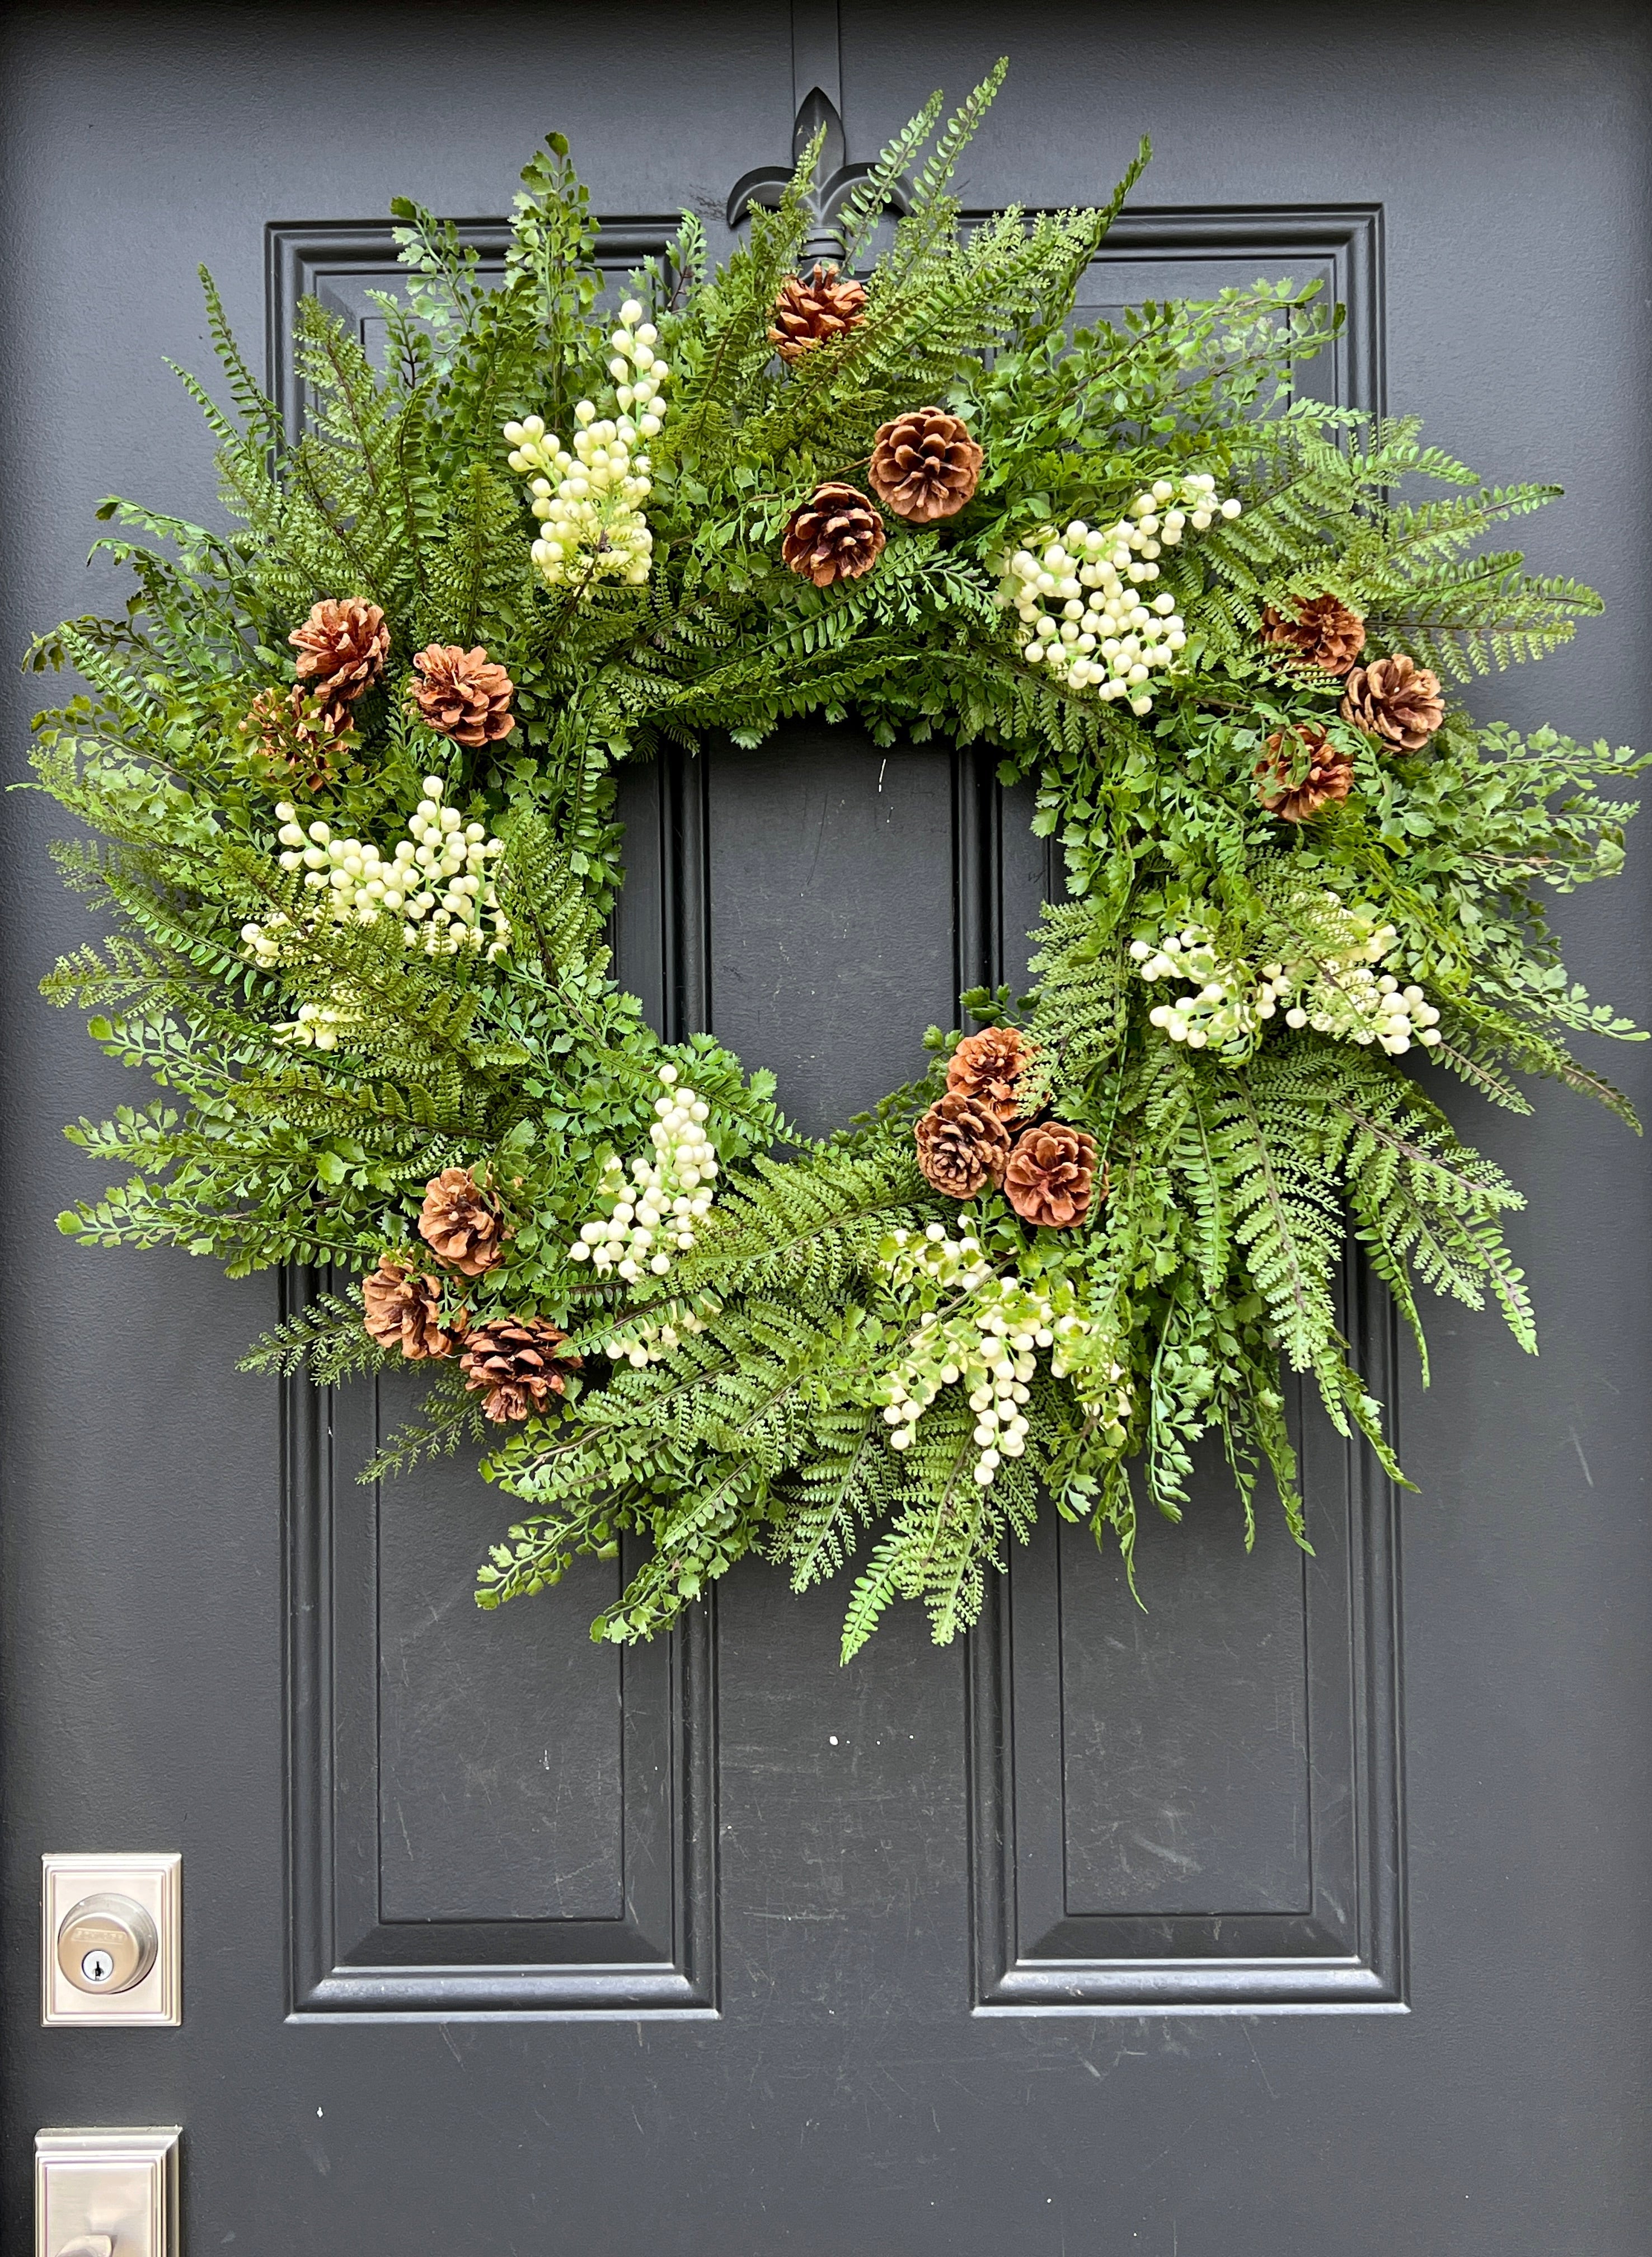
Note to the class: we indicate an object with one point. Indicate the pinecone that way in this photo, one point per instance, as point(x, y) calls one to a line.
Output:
point(1397, 700)
point(986, 1066)
point(517, 1362)
point(836, 535)
point(297, 735)
point(1322, 633)
point(341, 648)
point(814, 308)
point(402, 1312)
point(463, 695)
point(925, 465)
point(461, 1223)
point(1330, 774)
point(1051, 1176)
point(961, 1146)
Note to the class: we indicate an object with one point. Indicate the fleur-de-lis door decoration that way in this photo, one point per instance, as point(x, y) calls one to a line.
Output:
point(835, 178)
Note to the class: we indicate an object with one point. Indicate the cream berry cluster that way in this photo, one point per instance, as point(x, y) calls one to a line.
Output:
point(437, 881)
point(588, 502)
point(643, 1344)
point(1333, 985)
point(321, 1026)
point(1084, 598)
point(1226, 1003)
point(988, 1348)
point(648, 1218)
point(1341, 992)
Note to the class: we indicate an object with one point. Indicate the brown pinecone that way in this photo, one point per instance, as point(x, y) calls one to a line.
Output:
point(961, 1146)
point(463, 695)
point(402, 1312)
point(1397, 700)
point(925, 465)
point(297, 735)
point(1330, 774)
point(461, 1223)
point(811, 309)
point(836, 535)
point(986, 1067)
point(1322, 633)
point(341, 648)
point(1051, 1176)
point(517, 1362)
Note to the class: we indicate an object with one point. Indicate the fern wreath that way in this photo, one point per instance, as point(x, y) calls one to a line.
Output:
point(348, 771)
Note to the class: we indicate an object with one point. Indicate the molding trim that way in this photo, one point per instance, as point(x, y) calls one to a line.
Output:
point(1347, 237)
point(978, 907)
point(300, 256)
point(346, 1963)
point(1346, 1949)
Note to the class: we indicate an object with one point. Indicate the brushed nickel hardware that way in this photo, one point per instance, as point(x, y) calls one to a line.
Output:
point(106, 2192)
point(106, 1942)
point(111, 1941)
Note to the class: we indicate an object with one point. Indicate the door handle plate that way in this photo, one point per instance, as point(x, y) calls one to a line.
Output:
point(106, 2192)
point(111, 1941)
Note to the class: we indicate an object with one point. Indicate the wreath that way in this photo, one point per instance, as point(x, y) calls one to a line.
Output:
point(348, 773)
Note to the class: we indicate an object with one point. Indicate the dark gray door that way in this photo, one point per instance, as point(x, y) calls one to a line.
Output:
point(1298, 1918)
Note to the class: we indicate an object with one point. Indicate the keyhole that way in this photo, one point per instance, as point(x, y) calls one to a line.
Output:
point(97, 1966)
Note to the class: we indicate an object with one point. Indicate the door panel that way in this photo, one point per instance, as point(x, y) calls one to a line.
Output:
point(1198, 1806)
point(832, 937)
point(1278, 1919)
point(504, 1826)
point(819, 901)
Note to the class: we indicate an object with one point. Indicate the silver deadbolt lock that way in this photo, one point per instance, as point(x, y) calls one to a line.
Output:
point(106, 1942)
point(111, 1937)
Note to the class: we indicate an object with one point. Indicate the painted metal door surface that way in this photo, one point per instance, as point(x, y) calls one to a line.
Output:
point(1298, 1917)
